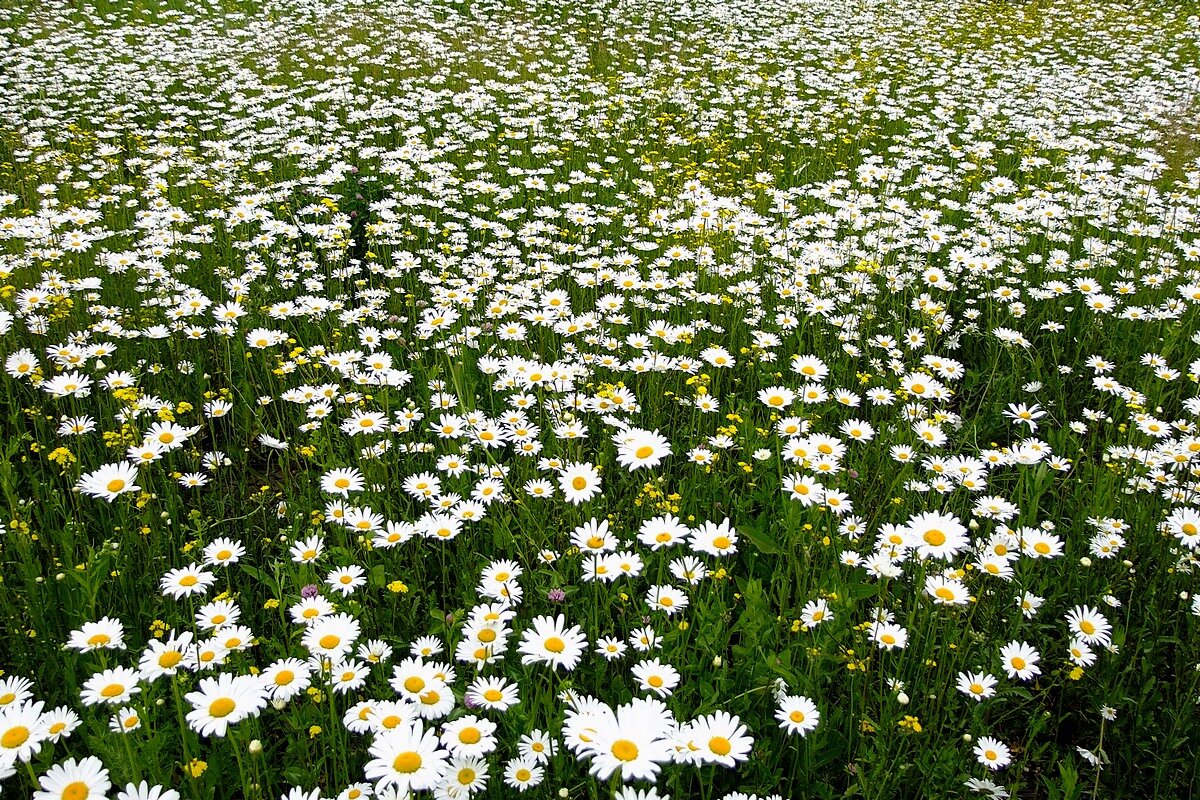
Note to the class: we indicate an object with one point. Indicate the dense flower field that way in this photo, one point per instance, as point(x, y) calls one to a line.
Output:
point(621, 399)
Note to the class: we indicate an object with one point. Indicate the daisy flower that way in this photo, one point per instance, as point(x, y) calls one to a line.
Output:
point(60, 723)
point(22, 731)
point(469, 736)
point(332, 637)
point(814, 613)
point(110, 481)
point(663, 531)
point(286, 679)
point(125, 721)
point(144, 791)
point(637, 448)
point(107, 634)
point(186, 581)
point(538, 746)
point(465, 776)
point(717, 738)
point(936, 535)
point(408, 758)
point(549, 641)
point(655, 676)
point(889, 636)
point(222, 552)
point(74, 780)
point(1089, 625)
point(992, 753)
point(493, 693)
point(977, 685)
point(345, 580)
point(111, 686)
point(223, 701)
point(523, 774)
point(797, 714)
point(717, 539)
point(1020, 660)
point(632, 741)
point(164, 658)
point(579, 482)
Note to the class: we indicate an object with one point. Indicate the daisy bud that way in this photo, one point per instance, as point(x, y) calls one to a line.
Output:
point(902, 699)
point(563, 793)
point(1085, 561)
point(717, 659)
point(255, 747)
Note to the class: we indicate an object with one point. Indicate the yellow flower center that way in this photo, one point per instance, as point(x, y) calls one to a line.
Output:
point(555, 644)
point(221, 707)
point(625, 750)
point(115, 485)
point(934, 538)
point(14, 737)
point(407, 762)
point(75, 790)
point(719, 745)
point(579, 484)
point(113, 690)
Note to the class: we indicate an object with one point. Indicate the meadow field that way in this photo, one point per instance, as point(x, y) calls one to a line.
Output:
point(704, 400)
